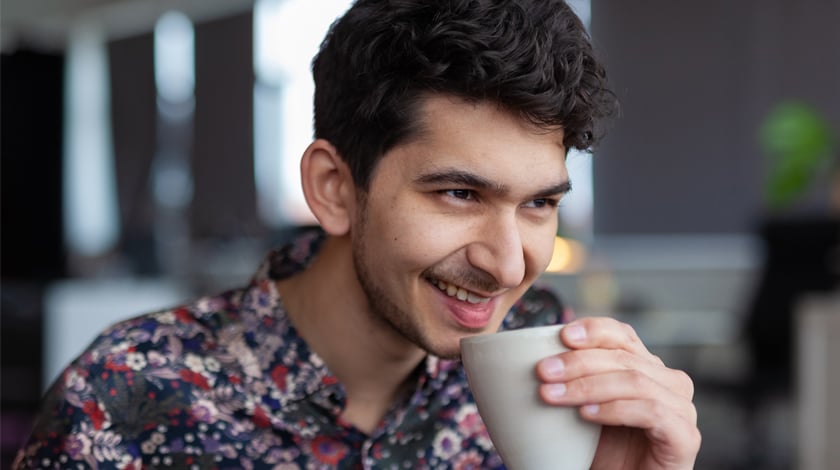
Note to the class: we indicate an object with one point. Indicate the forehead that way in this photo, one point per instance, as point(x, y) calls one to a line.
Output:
point(480, 137)
point(439, 113)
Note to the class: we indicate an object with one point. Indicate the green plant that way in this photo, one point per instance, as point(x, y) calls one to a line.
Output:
point(800, 145)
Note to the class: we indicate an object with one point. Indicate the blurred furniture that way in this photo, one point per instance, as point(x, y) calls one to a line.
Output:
point(76, 311)
point(800, 260)
point(683, 328)
point(801, 257)
point(818, 381)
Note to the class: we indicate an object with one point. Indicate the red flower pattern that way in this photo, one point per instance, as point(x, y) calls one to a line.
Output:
point(194, 378)
point(328, 451)
point(96, 415)
point(278, 376)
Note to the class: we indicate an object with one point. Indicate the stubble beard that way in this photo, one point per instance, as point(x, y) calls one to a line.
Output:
point(381, 308)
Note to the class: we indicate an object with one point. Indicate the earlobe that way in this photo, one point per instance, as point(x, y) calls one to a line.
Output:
point(327, 186)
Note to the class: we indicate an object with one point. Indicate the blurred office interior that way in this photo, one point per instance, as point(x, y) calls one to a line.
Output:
point(149, 156)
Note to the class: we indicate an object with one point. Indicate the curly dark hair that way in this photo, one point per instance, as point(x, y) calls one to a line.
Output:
point(532, 57)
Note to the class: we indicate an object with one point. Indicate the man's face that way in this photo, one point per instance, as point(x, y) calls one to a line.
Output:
point(458, 223)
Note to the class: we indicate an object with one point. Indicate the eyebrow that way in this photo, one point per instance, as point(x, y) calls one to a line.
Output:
point(465, 178)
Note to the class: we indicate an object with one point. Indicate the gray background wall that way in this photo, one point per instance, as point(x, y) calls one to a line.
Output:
point(695, 79)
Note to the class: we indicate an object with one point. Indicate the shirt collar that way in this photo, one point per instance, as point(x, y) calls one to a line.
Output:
point(292, 378)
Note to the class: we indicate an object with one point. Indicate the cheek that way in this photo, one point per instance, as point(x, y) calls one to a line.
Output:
point(419, 238)
point(539, 249)
point(425, 244)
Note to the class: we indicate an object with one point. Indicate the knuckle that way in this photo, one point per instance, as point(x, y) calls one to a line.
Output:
point(658, 411)
point(584, 387)
point(629, 333)
point(693, 438)
point(626, 359)
point(686, 384)
point(657, 360)
point(637, 379)
point(696, 437)
point(628, 330)
point(692, 415)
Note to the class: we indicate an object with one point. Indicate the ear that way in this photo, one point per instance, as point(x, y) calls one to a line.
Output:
point(328, 187)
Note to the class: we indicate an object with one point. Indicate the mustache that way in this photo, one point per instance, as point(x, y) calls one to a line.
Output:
point(469, 278)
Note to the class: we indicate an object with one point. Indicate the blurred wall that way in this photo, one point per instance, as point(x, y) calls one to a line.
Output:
point(695, 80)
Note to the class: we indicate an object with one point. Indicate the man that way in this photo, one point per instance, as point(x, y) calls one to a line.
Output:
point(441, 133)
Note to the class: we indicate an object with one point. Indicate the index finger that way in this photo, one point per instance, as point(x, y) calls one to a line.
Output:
point(604, 333)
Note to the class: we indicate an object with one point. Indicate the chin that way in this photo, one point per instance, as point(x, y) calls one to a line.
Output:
point(448, 350)
point(449, 354)
point(450, 347)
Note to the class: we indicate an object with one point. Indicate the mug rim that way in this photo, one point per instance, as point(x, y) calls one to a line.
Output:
point(532, 331)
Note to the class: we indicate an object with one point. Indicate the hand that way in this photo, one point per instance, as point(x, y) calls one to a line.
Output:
point(649, 419)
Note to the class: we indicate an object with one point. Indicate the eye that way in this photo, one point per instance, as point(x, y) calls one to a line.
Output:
point(465, 194)
point(542, 203)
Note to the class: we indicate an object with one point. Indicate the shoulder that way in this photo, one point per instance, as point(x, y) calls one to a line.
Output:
point(164, 345)
point(137, 374)
point(166, 334)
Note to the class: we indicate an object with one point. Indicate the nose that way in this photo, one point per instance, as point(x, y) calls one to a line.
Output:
point(498, 250)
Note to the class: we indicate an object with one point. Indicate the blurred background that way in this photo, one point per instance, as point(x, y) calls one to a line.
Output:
point(150, 150)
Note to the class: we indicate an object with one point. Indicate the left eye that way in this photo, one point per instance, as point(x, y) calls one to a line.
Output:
point(460, 193)
point(542, 202)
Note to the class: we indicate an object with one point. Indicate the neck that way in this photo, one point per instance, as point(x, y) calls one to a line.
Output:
point(331, 312)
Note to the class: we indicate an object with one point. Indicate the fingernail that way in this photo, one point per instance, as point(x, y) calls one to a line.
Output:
point(553, 367)
point(555, 390)
point(591, 409)
point(575, 333)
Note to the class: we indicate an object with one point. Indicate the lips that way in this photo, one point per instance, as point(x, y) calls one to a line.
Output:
point(469, 309)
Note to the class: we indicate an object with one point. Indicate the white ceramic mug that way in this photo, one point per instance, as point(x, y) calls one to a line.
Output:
point(527, 433)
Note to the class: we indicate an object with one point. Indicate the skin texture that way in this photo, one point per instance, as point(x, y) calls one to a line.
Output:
point(471, 202)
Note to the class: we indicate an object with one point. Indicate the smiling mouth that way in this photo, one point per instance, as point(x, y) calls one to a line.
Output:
point(459, 292)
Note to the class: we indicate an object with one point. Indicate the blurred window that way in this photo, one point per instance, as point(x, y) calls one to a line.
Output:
point(91, 219)
point(287, 34)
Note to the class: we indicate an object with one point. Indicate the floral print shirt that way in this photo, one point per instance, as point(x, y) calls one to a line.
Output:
point(227, 382)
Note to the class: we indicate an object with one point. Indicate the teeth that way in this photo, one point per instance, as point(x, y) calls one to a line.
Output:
point(474, 299)
point(460, 293)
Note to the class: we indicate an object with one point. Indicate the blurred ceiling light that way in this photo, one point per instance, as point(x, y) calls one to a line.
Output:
point(175, 57)
point(568, 257)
